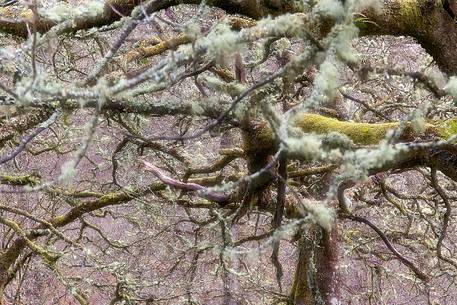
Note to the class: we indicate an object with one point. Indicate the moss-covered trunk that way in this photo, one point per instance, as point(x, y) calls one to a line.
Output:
point(302, 292)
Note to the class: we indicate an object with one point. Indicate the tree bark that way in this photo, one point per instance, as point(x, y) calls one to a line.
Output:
point(429, 22)
point(302, 288)
point(316, 278)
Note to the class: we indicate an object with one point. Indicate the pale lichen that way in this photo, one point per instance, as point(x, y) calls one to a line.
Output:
point(68, 171)
point(284, 25)
point(357, 164)
point(331, 8)
point(320, 213)
point(308, 146)
point(343, 43)
point(418, 122)
point(222, 42)
point(357, 6)
point(451, 87)
point(63, 11)
point(326, 80)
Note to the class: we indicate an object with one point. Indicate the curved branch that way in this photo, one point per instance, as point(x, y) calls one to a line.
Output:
point(186, 186)
point(446, 219)
point(421, 275)
point(16, 24)
point(25, 140)
point(21, 123)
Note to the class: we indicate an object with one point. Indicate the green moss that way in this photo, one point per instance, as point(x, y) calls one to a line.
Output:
point(372, 133)
point(58, 220)
point(19, 180)
point(258, 138)
point(360, 133)
point(362, 22)
point(112, 198)
point(416, 15)
point(447, 128)
point(410, 13)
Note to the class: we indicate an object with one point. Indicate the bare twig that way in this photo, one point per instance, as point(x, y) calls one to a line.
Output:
point(193, 187)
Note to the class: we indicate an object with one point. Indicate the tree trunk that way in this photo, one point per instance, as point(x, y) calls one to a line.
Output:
point(2, 291)
point(431, 23)
point(316, 278)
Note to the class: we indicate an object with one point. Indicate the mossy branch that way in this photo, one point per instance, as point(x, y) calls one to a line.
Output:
point(145, 50)
point(19, 180)
point(360, 133)
point(18, 124)
point(364, 133)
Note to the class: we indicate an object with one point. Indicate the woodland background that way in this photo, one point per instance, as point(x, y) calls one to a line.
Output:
point(228, 152)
